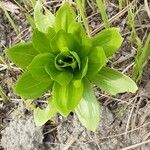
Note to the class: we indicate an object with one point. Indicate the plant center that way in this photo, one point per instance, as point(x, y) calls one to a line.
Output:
point(66, 60)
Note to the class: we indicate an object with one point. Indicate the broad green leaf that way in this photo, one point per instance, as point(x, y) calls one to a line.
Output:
point(88, 110)
point(28, 87)
point(79, 74)
point(21, 54)
point(62, 77)
point(76, 57)
point(43, 21)
point(37, 66)
point(41, 41)
point(66, 98)
point(51, 33)
point(78, 31)
point(63, 39)
point(97, 60)
point(41, 116)
point(64, 17)
point(109, 39)
point(113, 81)
point(80, 36)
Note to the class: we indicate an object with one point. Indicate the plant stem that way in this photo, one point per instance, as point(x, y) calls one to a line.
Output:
point(103, 13)
point(83, 15)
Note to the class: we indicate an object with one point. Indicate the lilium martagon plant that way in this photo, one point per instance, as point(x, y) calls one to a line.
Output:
point(63, 59)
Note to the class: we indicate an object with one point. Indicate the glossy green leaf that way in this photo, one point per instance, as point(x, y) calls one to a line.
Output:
point(43, 21)
point(67, 60)
point(64, 17)
point(62, 77)
point(88, 110)
point(79, 74)
point(41, 41)
point(41, 116)
point(109, 39)
point(37, 66)
point(97, 60)
point(80, 36)
point(66, 98)
point(21, 54)
point(63, 39)
point(79, 33)
point(28, 87)
point(113, 81)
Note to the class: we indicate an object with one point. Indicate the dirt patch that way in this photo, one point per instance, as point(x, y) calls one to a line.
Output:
point(21, 133)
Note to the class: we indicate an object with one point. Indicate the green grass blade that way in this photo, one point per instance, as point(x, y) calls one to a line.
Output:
point(141, 59)
point(9, 18)
point(83, 15)
point(102, 10)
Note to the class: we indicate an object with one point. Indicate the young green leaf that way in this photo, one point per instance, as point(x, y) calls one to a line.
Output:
point(64, 17)
point(62, 77)
point(82, 72)
point(28, 87)
point(41, 116)
point(88, 110)
point(109, 39)
point(113, 81)
point(37, 66)
point(63, 39)
point(97, 60)
point(83, 41)
point(66, 98)
point(41, 41)
point(43, 21)
point(21, 54)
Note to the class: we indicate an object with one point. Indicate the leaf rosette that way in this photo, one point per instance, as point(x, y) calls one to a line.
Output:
point(63, 59)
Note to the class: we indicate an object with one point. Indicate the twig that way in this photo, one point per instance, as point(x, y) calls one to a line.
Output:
point(70, 141)
point(115, 17)
point(111, 20)
point(147, 8)
point(130, 115)
point(136, 145)
point(121, 134)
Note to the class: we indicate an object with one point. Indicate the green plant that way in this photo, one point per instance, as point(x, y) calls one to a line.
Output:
point(141, 58)
point(63, 59)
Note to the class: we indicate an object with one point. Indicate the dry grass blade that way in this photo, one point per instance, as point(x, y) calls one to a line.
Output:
point(115, 17)
point(147, 8)
point(136, 145)
point(70, 141)
point(130, 116)
point(2, 6)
